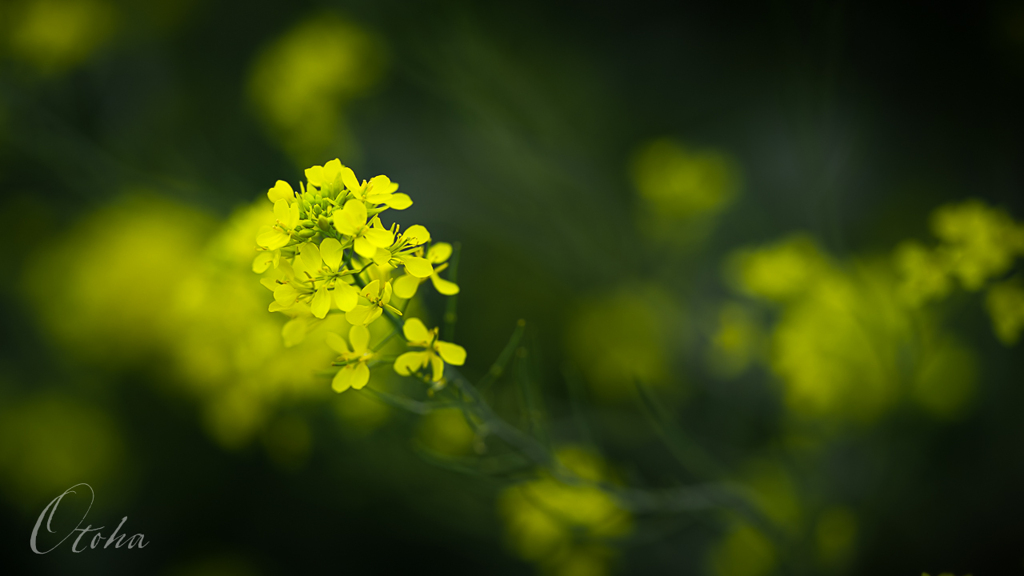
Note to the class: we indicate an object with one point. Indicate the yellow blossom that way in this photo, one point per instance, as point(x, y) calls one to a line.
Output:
point(406, 286)
point(366, 238)
point(377, 299)
point(282, 232)
point(355, 373)
point(434, 354)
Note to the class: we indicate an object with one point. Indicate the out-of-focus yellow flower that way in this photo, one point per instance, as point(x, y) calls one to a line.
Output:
point(946, 378)
point(49, 443)
point(737, 342)
point(550, 522)
point(434, 354)
point(102, 290)
point(773, 490)
point(925, 273)
point(835, 535)
point(844, 332)
point(779, 271)
point(836, 348)
point(302, 83)
point(446, 431)
point(1005, 303)
point(744, 552)
point(681, 182)
point(621, 337)
point(355, 373)
point(143, 281)
point(981, 241)
point(56, 35)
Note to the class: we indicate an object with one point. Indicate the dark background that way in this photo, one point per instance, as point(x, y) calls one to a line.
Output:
point(511, 125)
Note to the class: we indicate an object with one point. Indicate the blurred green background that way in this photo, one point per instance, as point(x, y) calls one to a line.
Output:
point(796, 225)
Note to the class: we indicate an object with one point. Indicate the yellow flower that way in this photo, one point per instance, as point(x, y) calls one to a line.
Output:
point(326, 177)
point(281, 233)
point(355, 373)
point(323, 264)
point(434, 354)
point(406, 286)
point(381, 190)
point(264, 259)
point(1005, 303)
point(377, 299)
point(366, 238)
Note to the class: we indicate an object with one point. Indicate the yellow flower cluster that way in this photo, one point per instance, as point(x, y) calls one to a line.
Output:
point(978, 244)
point(302, 84)
point(567, 529)
point(840, 334)
point(325, 250)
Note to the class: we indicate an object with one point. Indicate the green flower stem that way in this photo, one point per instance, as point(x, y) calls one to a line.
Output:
point(498, 368)
point(683, 449)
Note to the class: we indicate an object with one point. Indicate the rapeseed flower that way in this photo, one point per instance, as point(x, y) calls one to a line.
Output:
point(434, 354)
point(328, 249)
point(354, 373)
point(406, 285)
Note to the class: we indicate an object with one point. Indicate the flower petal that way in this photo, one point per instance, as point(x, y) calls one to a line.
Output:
point(374, 314)
point(285, 294)
point(371, 290)
point(382, 185)
point(281, 191)
point(360, 376)
point(359, 314)
point(356, 211)
point(382, 257)
point(315, 175)
point(321, 303)
point(406, 285)
point(418, 267)
point(415, 332)
point(337, 343)
point(437, 368)
point(345, 296)
point(439, 252)
point(343, 379)
point(348, 178)
point(332, 171)
point(331, 252)
point(364, 247)
point(273, 239)
point(444, 286)
point(398, 201)
point(359, 336)
point(452, 353)
point(343, 223)
point(380, 237)
point(281, 211)
point(262, 262)
point(416, 235)
point(410, 362)
point(309, 259)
